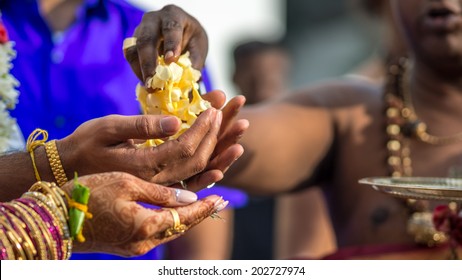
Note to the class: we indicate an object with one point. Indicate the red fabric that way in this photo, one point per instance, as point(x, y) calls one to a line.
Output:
point(449, 221)
point(389, 252)
point(3, 34)
point(371, 250)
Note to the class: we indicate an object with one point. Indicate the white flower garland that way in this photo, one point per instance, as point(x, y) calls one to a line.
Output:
point(8, 95)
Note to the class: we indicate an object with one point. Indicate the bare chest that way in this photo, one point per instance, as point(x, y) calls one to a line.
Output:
point(362, 215)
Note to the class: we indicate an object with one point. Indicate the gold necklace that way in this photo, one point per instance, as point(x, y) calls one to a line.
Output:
point(416, 127)
point(402, 124)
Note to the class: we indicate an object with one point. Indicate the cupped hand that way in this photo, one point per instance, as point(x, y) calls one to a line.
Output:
point(109, 144)
point(227, 150)
point(121, 226)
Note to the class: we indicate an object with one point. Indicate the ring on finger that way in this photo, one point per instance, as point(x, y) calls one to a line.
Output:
point(183, 185)
point(128, 43)
point(177, 227)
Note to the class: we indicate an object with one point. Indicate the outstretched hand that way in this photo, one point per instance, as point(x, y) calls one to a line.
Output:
point(110, 144)
point(123, 227)
point(227, 150)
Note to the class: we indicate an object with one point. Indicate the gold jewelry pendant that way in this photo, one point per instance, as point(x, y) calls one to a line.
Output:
point(420, 225)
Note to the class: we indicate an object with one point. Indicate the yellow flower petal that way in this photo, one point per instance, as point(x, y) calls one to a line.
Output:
point(173, 85)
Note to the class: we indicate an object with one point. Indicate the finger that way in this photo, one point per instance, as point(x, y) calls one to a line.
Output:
point(172, 31)
point(131, 55)
point(147, 43)
point(217, 98)
point(225, 159)
point(191, 215)
point(197, 47)
point(192, 152)
point(154, 223)
point(231, 136)
point(204, 179)
point(216, 168)
point(159, 195)
point(231, 110)
point(185, 146)
point(118, 128)
point(199, 161)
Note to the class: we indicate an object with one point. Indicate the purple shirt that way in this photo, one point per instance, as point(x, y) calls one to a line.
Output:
point(71, 77)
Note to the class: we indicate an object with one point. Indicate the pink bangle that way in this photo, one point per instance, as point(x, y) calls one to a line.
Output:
point(47, 218)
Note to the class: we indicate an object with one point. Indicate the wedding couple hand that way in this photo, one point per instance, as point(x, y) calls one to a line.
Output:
point(200, 155)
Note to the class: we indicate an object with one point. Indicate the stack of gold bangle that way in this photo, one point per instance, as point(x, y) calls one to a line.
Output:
point(35, 226)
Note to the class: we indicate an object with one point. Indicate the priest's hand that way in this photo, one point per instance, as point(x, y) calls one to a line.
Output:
point(169, 32)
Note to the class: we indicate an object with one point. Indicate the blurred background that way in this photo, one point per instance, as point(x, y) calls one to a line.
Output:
point(318, 34)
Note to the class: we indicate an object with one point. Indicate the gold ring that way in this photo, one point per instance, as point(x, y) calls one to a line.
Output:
point(177, 227)
point(129, 42)
point(183, 185)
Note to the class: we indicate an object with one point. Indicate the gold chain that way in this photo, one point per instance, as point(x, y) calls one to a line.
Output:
point(416, 127)
point(399, 131)
point(55, 163)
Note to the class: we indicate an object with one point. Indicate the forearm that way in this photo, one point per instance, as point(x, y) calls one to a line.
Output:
point(17, 173)
point(283, 147)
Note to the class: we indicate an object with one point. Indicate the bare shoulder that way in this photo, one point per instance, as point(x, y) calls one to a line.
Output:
point(338, 94)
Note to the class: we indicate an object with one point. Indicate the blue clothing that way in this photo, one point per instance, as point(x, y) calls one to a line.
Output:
point(76, 75)
point(71, 77)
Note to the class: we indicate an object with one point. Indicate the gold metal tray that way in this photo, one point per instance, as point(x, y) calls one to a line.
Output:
point(418, 187)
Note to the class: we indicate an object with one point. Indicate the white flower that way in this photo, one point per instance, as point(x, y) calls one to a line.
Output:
point(8, 94)
point(172, 84)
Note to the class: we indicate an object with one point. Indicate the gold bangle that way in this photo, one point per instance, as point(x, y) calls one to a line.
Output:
point(55, 163)
point(35, 232)
point(7, 244)
point(32, 143)
point(39, 231)
point(50, 244)
point(14, 239)
point(53, 198)
point(27, 245)
point(56, 194)
point(47, 205)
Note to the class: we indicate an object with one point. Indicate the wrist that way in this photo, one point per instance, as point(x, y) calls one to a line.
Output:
point(43, 165)
point(68, 158)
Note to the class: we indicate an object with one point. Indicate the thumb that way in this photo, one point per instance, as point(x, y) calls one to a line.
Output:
point(122, 128)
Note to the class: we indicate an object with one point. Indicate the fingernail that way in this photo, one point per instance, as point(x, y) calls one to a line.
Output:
point(168, 55)
point(148, 83)
point(218, 202)
point(184, 196)
point(210, 186)
point(222, 206)
point(218, 118)
point(169, 125)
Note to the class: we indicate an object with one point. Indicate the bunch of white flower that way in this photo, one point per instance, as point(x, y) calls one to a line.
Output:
point(8, 94)
point(173, 84)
